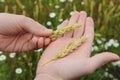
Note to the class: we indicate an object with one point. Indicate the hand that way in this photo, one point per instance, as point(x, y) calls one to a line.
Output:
point(20, 33)
point(77, 63)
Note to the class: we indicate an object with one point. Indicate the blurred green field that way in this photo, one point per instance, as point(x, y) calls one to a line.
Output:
point(50, 13)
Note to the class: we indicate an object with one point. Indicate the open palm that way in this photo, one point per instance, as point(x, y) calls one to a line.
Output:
point(78, 62)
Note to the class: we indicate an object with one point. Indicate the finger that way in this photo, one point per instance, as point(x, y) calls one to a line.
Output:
point(79, 31)
point(89, 32)
point(35, 28)
point(40, 42)
point(63, 24)
point(85, 49)
point(73, 19)
point(47, 41)
point(101, 59)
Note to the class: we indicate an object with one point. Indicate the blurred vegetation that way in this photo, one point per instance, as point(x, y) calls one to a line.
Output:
point(106, 15)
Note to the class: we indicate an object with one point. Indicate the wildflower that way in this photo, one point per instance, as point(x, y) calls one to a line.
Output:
point(2, 1)
point(62, 0)
point(18, 70)
point(111, 76)
point(82, 3)
point(24, 56)
point(62, 9)
point(106, 46)
point(106, 74)
point(70, 0)
point(49, 23)
point(58, 26)
point(1, 52)
point(116, 45)
point(95, 48)
point(117, 63)
point(115, 79)
point(106, 69)
point(99, 41)
point(52, 15)
point(57, 6)
point(12, 55)
point(61, 20)
point(2, 57)
point(19, 58)
point(111, 42)
point(103, 39)
point(71, 13)
point(30, 64)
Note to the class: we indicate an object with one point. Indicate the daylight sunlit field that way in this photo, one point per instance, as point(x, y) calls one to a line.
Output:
point(50, 13)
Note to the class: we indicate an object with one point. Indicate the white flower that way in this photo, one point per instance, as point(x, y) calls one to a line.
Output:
point(111, 41)
point(99, 41)
point(82, 3)
point(71, 13)
point(24, 56)
point(60, 20)
point(106, 69)
point(103, 39)
point(18, 70)
point(70, 0)
point(19, 58)
point(111, 76)
point(12, 55)
point(116, 44)
point(117, 63)
point(30, 64)
point(49, 23)
point(52, 15)
point(57, 6)
point(106, 74)
point(109, 44)
point(2, 57)
point(58, 26)
point(2, 0)
point(62, 0)
point(95, 48)
point(1, 52)
point(62, 9)
point(106, 46)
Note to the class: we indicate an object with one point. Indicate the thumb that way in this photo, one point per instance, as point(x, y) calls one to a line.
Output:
point(35, 28)
point(101, 59)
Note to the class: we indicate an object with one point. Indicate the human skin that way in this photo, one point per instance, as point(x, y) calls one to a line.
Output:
point(77, 63)
point(19, 33)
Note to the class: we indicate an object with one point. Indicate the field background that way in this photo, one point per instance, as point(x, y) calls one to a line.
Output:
point(50, 13)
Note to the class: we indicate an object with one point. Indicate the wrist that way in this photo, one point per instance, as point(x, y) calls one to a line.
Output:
point(46, 77)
